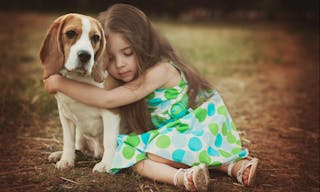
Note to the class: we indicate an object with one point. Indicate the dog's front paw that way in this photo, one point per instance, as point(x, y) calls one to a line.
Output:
point(55, 156)
point(64, 164)
point(101, 167)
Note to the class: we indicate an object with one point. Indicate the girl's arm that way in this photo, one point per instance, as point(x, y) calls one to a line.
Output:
point(135, 90)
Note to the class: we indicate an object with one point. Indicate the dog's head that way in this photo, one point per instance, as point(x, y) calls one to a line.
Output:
point(76, 43)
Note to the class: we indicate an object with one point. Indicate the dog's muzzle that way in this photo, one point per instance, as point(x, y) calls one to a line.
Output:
point(84, 56)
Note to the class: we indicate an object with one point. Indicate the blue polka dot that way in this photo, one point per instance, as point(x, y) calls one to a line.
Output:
point(188, 116)
point(178, 110)
point(213, 152)
point(145, 138)
point(168, 130)
point(198, 132)
point(218, 141)
point(154, 102)
point(243, 153)
point(121, 136)
point(178, 155)
point(195, 144)
point(119, 147)
point(211, 109)
point(228, 123)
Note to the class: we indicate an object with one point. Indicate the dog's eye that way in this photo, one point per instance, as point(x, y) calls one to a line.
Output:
point(71, 34)
point(95, 38)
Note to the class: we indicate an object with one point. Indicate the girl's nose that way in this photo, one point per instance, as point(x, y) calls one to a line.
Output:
point(119, 64)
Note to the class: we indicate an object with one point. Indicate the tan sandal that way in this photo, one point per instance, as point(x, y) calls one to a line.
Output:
point(194, 179)
point(247, 162)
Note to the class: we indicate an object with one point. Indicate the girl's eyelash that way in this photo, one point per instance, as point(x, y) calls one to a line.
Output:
point(129, 53)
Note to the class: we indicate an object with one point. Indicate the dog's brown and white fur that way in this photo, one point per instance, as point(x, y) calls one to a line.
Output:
point(75, 47)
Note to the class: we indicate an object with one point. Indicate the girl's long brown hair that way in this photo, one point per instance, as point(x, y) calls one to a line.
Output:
point(150, 48)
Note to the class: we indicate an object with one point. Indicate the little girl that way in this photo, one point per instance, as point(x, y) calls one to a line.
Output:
point(181, 126)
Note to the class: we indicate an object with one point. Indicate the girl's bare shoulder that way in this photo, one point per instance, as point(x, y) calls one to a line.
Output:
point(167, 73)
point(159, 70)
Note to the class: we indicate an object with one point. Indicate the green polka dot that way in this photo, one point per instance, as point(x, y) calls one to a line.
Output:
point(171, 93)
point(236, 150)
point(157, 121)
point(231, 138)
point(233, 126)
point(133, 140)
point(222, 110)
point(224, 129)
point(178, 109)
point(182, 84)
point(224, 153)
point(140, 157)
point(173, 124)
point(151, 109)
point(182, 127)
point(214, 128)
point(238, 142)
point(204, 157)
point(200, 114)
point(215, 164)
point(128, 152)
point(150, 96)
point(163, 141)
point(195, 164)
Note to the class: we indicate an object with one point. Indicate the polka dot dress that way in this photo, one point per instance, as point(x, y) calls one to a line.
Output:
point(189, 136)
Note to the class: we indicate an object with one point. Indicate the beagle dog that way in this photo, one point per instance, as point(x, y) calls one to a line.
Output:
point(75, 47)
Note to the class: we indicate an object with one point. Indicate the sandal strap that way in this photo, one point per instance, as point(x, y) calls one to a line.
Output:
point(245, 164)
point(175, 177)
point(188, 179)
point(230, 167)
point(196, 178)
point(186, 182)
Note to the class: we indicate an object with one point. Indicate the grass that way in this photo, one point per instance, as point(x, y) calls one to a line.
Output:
point(214, 50)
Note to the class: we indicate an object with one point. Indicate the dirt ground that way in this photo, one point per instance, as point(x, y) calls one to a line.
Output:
point(276, 110)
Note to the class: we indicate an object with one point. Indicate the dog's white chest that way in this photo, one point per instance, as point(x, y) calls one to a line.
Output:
point(82, 116)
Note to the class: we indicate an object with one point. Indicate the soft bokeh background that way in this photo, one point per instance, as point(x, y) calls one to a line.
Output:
point(263, 57)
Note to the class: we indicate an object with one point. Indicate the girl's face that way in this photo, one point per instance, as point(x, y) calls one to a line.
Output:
point(122, 58)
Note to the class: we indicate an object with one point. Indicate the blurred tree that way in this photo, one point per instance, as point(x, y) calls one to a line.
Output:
point(267, 9)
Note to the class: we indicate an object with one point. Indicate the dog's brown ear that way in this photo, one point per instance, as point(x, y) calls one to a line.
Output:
point(51, 51)
point(101, 57)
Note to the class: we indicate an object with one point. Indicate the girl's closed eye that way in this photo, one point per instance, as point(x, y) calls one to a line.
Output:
point(128, 52)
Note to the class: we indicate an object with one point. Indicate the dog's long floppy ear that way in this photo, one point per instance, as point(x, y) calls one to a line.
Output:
point(101, 57)
point(51, 51)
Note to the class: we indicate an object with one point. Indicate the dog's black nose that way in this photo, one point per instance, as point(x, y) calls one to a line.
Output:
point(84, 56)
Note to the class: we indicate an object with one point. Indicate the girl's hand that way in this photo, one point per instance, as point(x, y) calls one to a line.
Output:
point(52, 82)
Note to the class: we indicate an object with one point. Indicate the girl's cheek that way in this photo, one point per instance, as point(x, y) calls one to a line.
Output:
point(112, 71)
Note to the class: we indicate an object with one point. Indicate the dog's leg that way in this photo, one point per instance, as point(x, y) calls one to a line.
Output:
point(98, 148)
point(68, 154)
point(111, 124)
point(55, 156)
point(79, 140)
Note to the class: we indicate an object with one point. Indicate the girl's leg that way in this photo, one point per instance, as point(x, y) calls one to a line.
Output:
point(163, 170)
point(157, 171)
point(159, 159)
